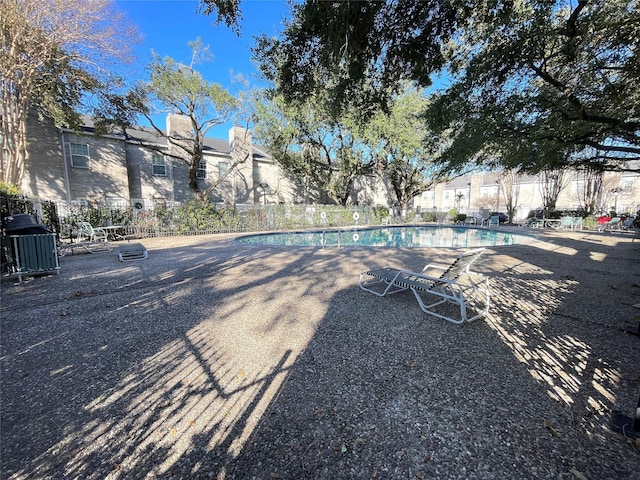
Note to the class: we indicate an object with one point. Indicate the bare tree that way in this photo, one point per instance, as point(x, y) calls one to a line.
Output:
point(589, 188)
point(51, 54)
point(552, 183)
point(508, 183)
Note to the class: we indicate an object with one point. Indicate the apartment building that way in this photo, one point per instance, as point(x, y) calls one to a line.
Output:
point(142, 169)
point(489, 191)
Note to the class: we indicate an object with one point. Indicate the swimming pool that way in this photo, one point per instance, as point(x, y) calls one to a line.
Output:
point(402, 236)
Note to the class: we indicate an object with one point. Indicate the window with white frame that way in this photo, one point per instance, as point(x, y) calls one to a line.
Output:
point(222, 169)
point(159, 164)
point(79, 153)
point(489, 191)
point(201, 172)
point(114, 202)
point(626, 184)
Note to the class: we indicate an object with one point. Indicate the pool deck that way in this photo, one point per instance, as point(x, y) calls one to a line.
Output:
point(211, 359)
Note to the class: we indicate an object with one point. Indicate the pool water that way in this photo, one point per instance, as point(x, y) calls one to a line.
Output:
point(404, 236)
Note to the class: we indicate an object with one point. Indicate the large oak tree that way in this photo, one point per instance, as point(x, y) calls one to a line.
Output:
point(178, 88)
point(322, 153)
point(533, 84)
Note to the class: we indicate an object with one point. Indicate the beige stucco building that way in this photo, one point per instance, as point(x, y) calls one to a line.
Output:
point(473, 194)
point(142, 169)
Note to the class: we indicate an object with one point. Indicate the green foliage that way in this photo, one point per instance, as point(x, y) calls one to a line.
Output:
point(359, 52)
point(532, 85)
point(590, 222)
point(321, 152)
point(226, 10)
point(197, 215)
point(379, 213)
point(11, 204)
point(51, 57)
point(50, 217)
point(9, 190)
point(404, 147)
point(179, 89)
point(536, 88)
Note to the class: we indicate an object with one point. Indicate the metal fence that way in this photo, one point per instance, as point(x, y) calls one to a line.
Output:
point(243, 219)
point(195, 218)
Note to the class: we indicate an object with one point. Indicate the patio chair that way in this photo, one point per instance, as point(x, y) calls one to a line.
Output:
point(91, 234)
point(577, 223)
point(565, 223)
point(613, 224)
point(454, 284)
point(627, 224)
point(90, 239)
point(534, 222)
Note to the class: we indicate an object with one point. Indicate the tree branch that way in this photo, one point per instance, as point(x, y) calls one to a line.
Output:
point(581, 113)
point(570, 29)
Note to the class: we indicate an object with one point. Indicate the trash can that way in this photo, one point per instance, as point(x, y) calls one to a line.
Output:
point(22, 223)
point(29, 248)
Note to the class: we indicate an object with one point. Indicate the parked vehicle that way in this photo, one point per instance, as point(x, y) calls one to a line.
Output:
point(502, 217)
point(538, 213)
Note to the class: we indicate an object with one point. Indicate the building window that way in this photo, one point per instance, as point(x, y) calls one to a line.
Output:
point(626, 184)
point(79, 155)
point(222, 169)
point(114, 202)
point(202, 170)
point(159, 164)
point(489, 191)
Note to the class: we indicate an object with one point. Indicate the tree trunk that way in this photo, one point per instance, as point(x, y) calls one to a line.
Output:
point(14, 135)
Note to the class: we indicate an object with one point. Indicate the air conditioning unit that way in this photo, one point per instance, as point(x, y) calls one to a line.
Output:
point(138, 203)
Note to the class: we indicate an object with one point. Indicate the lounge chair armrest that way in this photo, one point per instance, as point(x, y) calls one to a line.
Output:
point(433, 266)
point(425, 276)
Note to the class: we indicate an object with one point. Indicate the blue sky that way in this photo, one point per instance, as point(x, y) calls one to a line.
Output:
point(166, 27)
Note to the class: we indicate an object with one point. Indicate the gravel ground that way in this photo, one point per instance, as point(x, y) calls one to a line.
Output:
point(215, 360)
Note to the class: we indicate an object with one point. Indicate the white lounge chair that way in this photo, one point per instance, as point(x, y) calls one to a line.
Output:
point(90, 233)
point(88, 238)
point(454, 283)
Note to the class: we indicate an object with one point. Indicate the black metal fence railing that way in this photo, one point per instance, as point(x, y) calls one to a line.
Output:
point(196, 218)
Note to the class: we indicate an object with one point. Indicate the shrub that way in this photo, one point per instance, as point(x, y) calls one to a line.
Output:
point(590, 222)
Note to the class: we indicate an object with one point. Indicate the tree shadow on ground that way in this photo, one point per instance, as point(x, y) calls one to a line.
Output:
point(212, 361)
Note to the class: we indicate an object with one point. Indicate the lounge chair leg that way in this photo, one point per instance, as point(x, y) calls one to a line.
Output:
point(631, 330)
point(627, 426)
